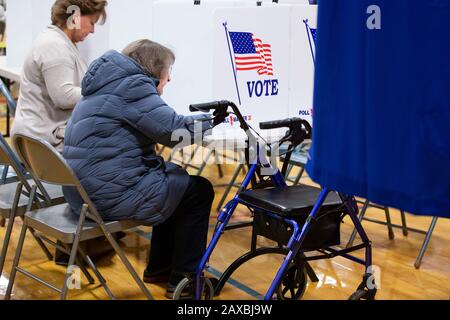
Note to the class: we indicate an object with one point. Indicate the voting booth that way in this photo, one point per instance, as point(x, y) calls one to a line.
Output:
point(217, 44)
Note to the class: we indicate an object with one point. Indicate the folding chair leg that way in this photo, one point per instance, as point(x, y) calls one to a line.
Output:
point(404, 226)
point(389, 224)
point(9, 229)
point(288, 172)
point(6, 241)
point(219, 167)
point(187, 164)
point(205, 161)
point(220, 170)
point(125, 261)
point(232, 182)
point(97, 273)
point(73, 253)
point(160, 150)
point(12, 276)
point(299, 176)
point(41, 244)
point(170, 155)
point(425, 243)
point(38, 239)
point(360, 218)
point(4, 174)
point(80, 263)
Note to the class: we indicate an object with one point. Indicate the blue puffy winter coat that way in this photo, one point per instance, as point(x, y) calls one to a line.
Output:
point(110, 143)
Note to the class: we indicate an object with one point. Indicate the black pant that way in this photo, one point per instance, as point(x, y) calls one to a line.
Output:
point(180, 242)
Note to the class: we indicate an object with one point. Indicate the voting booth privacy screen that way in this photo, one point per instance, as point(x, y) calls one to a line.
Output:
point(382, 103)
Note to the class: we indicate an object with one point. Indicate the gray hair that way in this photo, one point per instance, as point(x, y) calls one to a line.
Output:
point(153, 57)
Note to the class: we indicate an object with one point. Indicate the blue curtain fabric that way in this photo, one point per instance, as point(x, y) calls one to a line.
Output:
point(382, 102)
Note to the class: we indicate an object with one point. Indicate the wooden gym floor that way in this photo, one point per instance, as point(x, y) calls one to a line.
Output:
point(338, 278)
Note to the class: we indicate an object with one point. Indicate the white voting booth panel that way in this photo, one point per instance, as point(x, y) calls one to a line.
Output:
point(303, 50)
point(187, 29)
point(263, 97)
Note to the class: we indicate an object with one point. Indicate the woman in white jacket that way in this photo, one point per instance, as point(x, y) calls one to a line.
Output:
point(50, 85)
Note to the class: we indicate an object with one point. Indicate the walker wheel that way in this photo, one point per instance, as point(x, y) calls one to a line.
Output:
point(293, 285)
point(186, 289)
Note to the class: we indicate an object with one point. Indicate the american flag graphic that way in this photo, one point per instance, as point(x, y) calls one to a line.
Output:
point(314, 34)
point(251, 53)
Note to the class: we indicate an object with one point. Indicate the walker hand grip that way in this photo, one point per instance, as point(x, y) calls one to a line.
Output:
point(280, 123)
point(207, 107)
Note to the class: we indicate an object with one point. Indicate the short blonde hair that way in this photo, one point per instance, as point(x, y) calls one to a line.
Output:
point(153, 57)
point(60, 12)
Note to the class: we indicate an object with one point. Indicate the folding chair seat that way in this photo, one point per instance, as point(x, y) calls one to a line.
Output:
point(289, 201)
point(8, 193)
point(60, 223)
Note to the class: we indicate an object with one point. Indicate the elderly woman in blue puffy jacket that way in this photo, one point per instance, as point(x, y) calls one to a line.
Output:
point(110, 144)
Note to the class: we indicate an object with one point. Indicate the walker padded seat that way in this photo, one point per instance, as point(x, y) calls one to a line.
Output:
point(289, 201)
point(296, 203)
point(61, 223)
point(8, 192)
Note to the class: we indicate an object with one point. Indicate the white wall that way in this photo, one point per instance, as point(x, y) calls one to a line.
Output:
point(26, 19)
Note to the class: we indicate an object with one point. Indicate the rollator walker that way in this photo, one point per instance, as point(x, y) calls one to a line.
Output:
point(298, 218)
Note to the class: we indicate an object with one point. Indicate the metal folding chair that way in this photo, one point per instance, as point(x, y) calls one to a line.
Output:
point(14, 198)
point(391, 226)
point(45, 164)
point(299, 158)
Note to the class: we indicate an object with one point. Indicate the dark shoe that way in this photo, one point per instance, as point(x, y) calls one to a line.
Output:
point(61, 259)
point(158, 276)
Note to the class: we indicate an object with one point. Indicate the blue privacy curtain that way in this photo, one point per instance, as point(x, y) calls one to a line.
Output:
point(382, 103)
